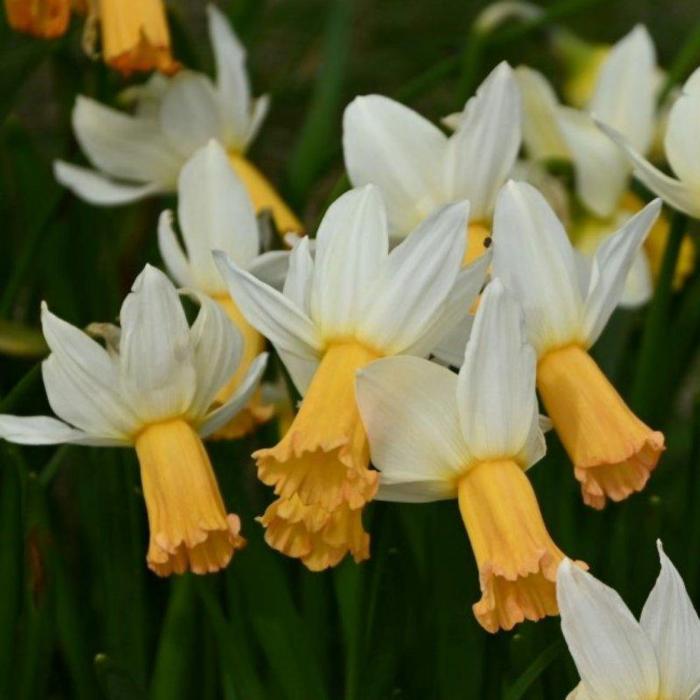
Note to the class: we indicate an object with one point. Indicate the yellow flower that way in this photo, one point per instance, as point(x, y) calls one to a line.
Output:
point(215, 212)
point(46, 19)
point(612, 450)
point(152, 388)
point(353, 303)
point(141, 154)
point(436, 435)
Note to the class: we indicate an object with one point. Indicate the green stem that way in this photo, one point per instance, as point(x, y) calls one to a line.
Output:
point(651, 365)
point(685, 59)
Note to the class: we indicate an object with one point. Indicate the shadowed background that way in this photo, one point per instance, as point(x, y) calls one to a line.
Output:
point(80, 615)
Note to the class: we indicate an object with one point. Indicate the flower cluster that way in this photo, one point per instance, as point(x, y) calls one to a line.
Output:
point(454, 283)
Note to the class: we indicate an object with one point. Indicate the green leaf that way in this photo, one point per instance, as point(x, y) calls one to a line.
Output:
point(534, 671)
point(116, 682)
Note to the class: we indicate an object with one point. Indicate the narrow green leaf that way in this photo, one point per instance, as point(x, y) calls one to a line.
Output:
point(534, 671)
point(116, 682)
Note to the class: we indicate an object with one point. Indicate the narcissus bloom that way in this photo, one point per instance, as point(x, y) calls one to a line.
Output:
point(682, 146)
point(134, 33)
point(566, 309)
point(618, 658)
point(215, 212)
point(152, 388)
point(436, 435)
point(353, 303)
point(418, 168)
point(141, 154)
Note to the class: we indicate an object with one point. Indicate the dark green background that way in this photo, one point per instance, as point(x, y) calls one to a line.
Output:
point(80, 615)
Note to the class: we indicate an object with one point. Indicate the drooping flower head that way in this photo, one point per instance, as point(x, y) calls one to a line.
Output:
point(436, 435)
point(141, 154)
point(215, 213)
point(134, 33)
point(353, 303)
point(418, 169)
point(566, 308)
point(619, 658)
point(152, 388)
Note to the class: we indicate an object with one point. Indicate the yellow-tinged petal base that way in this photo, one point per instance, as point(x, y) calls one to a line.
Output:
point(46, 19)
point(320, 469)
point(612, 450)
point(135, 36)
point(517, 558)
point(257, 411)
point(264, 196)
point(190, 529)
point(478, 241)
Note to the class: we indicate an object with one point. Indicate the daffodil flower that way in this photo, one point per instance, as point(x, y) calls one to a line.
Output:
point(141, 154)
point(134, 33)
point(618, 658)
point(566, 308)
point(436, 435)
point(418, 168)
point(351, 304)
point(152, 388)
point(215, 212)
point(623, 95)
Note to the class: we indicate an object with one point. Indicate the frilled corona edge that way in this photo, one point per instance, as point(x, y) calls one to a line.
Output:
point(189, 526)
point(319, 470)
point(264, 195)
point(516, 557)
point(614, 453)
point(256, 411)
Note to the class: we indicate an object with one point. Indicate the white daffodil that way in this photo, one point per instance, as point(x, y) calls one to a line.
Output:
point(436, 435)
point(566, 308)
point(152, 388)
point(353, 303)
point(418, 168)
point(141, 154)
point(618, 658)
point(215, 212)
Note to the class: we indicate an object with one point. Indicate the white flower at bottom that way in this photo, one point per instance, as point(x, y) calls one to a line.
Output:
point(151, 388)
point(618, 658)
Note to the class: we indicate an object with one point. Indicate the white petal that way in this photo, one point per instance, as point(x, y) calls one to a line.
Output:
point(217, 345)
point(123, 146)
point(611, 264)
point(231, 77)
point(672, 624)
point(534, 259)
point(422, 491)
point(453, 319)
point(261, 107)
point(481, 153)
point(679, 195)
point(271, 267)
point(297, 286)
point(215, 213)
point(496, 386)
point(301, 369)
point(613, 655)
point(158, 373)
point(450, 350)
point(190, 113)
point(409, 410)
point(639, 284)
point(43, 430)
point(393, 147)
point(541, 135)
point(415, 281)
point(682, 141)
point(579, 693)
point(352, 243)
point(82, 382)
point(98, 189)
point(270, 312)
point(170, 250)
point(602, 170)
point(625, 92)
point(222, 415)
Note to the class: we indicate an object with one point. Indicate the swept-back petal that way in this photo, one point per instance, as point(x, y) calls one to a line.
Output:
point(682, 142)
point(297, 285)
point(393, 147)
point(352, 243)
point(409, 410)
point(175, 260)
point(44, 430)
point(613, 655)
point(673, 626)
